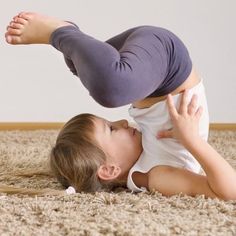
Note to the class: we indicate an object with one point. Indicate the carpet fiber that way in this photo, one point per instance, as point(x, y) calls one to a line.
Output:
point(119, 213)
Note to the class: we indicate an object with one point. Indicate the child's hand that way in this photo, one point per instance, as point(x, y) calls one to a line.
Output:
point(185, 120)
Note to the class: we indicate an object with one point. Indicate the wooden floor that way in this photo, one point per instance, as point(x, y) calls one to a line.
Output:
point(58, 125)
point(29, 125)
point(223, 126)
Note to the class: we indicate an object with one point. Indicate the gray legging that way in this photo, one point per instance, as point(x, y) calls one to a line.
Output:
point(141, 62)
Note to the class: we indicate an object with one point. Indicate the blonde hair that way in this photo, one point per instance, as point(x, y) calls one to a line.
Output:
point(74, 160)
point(76, 157)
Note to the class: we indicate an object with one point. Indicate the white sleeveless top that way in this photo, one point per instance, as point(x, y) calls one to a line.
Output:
point(165, 151)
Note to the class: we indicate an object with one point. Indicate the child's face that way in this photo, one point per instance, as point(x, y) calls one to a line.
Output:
point(121, 143)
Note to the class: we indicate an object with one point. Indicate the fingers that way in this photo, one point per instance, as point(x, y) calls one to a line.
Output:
point(189, 107)
point(192, 106)
point(198, 113)
point(185, 108)
point(171, 107)
point(165, 134)
point(183, 103)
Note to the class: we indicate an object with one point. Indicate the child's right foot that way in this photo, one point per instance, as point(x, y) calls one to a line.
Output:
point(32, 28)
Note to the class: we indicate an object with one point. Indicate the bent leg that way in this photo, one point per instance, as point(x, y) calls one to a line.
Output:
point(117, 42)
point(126, 68)
point(116, 72)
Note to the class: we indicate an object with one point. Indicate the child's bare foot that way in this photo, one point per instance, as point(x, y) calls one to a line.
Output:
point(32, 28)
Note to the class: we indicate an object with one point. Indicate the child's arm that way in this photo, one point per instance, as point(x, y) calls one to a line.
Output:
point(220, 179)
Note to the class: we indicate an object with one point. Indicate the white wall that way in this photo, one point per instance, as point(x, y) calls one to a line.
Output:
point(35, 84)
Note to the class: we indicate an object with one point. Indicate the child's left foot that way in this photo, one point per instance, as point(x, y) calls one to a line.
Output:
point(32, 28)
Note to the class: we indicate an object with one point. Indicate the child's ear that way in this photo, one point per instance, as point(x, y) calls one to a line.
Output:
point(108, 172)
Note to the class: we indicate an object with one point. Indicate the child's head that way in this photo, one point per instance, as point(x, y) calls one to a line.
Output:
point(92, 153)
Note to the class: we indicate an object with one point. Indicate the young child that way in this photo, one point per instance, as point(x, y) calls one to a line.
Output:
point(92, 153)
point(139, 66)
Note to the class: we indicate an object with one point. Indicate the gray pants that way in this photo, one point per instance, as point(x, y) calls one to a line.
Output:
point(141, 62)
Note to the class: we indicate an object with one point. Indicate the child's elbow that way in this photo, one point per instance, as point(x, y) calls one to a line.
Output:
point(230, 197)
point(227, 196)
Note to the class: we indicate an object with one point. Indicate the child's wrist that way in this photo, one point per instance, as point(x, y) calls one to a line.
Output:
point(192, 141)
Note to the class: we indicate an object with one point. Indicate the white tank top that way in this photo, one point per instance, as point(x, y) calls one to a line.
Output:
point(165, 151)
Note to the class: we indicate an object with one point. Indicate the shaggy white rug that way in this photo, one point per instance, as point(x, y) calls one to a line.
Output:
point(119, 213)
